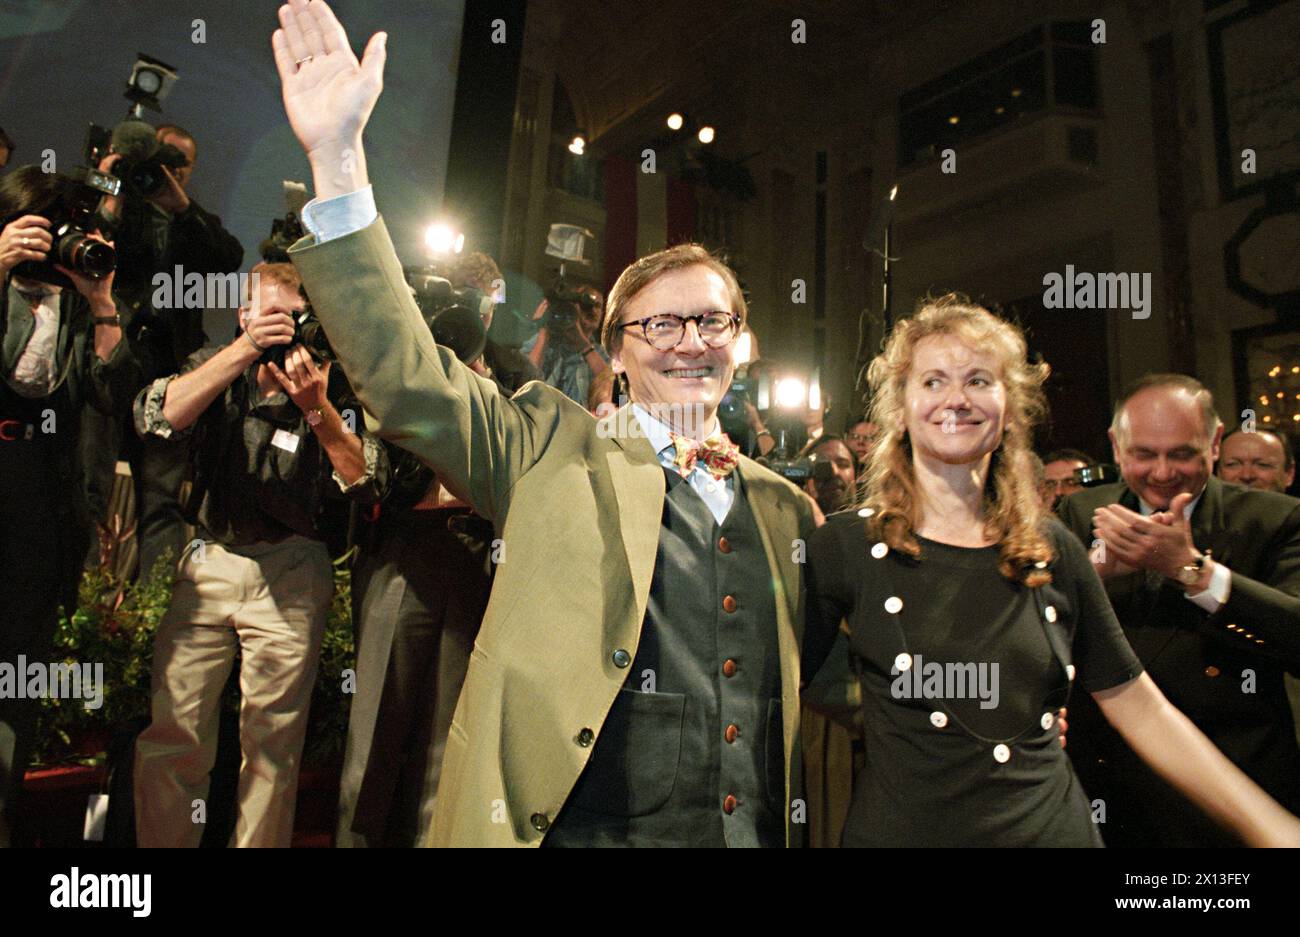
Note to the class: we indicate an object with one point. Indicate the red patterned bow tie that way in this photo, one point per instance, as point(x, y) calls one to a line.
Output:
point(719, 455)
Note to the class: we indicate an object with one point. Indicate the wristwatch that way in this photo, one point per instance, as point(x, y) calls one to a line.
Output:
point(314, 416)
point(1191, 573)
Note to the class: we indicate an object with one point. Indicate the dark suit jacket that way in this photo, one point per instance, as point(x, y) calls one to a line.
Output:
point(1224, 671)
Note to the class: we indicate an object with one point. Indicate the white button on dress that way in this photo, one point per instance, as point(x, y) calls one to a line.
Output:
point(1050, 613)
point(903, 662)
point(1069, 671)
point(879, 550)
point(938, 719)
point(1047, 720)
point(893, 605)
point(1001, 754)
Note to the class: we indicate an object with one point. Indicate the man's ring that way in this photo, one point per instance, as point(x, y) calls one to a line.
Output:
point(307, 59)
point(27, 242)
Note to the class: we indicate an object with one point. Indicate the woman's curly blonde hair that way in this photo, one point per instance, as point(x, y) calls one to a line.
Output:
point(1013, 515)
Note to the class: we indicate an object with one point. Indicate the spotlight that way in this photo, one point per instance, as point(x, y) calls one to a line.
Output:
point(439, 238)
point(954, 119)
point(791, 393)
point(675, 121)
point(706, 134)
point(578, 146)
point(743, 350)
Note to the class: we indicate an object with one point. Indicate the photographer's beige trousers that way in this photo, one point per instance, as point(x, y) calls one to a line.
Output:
point(270, 601)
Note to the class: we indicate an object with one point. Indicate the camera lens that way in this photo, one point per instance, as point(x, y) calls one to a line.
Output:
point(94, 259)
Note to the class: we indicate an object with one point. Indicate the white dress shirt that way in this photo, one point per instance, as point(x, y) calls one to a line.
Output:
point(36, 372)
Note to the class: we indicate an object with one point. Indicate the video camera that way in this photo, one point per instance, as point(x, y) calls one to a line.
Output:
point(565, 302)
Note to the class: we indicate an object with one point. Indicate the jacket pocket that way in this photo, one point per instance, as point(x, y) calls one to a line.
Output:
point(633, 768)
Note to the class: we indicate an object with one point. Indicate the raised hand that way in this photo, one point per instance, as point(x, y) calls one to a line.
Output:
point(328, 95)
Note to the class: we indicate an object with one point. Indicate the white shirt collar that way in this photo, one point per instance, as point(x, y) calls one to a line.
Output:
point(658, 433)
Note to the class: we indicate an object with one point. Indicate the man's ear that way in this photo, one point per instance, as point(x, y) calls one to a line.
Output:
point(616, 363)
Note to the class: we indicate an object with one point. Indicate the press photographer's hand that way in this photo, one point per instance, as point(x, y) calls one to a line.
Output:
point(170, 197)
point(273, 328)
point(302, 379)
point(98, 292)
point(328, 95)
point(25, 238)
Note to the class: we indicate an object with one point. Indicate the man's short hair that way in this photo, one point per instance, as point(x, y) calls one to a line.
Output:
point(854, 420)
point(642, 272)
point(475, 269)
point(175, 130)
point(285, 275)
point(1183, 382)
point(1068, 455)
point(1288, 453)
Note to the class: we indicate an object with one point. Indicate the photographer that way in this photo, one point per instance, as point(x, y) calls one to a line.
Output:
point(271, 448)
point(564, 349)
point(62, 348)
point(155, 233)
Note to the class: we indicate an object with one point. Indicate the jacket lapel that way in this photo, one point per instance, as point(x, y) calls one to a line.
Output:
point(639, 484)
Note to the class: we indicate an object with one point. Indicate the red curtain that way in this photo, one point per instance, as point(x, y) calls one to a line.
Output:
point(620, 217)
point(681, 212)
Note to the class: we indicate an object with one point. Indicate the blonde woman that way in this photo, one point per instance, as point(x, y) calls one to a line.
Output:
point(972, 613)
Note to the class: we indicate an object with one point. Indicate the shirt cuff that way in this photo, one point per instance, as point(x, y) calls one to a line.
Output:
point(341, 215)
point(370, 450)
point(149, 419)
point(1213, 598)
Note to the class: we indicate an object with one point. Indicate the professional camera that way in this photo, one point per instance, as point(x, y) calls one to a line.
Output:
point(799, 471)
point(307, 332)
point(455, 315)
point(565, 302)
point(731, 409)
point(71, 218)
point(143, 157)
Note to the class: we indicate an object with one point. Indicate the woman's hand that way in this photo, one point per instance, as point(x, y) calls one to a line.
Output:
point(25, 238)
point(328, 95)
point(302, 379)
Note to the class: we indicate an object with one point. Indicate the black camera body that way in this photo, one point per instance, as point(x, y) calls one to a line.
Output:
point(72, 218)
point(143, 156)
point(307, 332)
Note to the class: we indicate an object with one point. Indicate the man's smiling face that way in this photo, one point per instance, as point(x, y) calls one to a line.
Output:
point(691, 377)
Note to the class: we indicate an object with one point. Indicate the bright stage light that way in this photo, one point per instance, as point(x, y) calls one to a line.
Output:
point(675, 121)
point(706, 135)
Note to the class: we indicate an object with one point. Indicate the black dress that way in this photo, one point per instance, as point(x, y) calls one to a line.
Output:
point(962, 673)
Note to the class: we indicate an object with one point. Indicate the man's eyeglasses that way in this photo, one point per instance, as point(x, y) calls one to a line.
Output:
point(665, 331)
